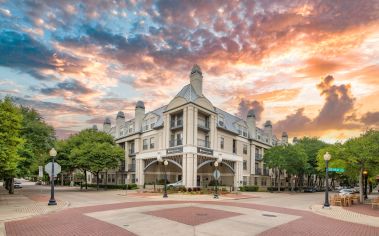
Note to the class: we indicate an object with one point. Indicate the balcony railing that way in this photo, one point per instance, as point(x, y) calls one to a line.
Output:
point(203, 124)
point(176, 142)
point(203, 143)
point(175, 124)
point(131, 152)
point(132, 167)
point(258, 157)
point(258, 171)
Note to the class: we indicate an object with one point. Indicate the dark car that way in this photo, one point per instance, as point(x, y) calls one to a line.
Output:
point(310, 190)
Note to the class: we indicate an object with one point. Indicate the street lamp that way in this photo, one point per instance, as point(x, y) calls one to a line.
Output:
point(327, 157)
point(216, 192)
point(52, 201)
point(165, 163)
point(365, 175)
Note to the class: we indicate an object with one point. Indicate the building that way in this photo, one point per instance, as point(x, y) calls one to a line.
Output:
point(192, 134)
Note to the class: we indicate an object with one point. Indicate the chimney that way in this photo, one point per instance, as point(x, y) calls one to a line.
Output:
point(251, 123)
point(139, 115)
point(284, 138)
point(107, 125)
point(196, 79)
point(120, 121)
point(268, 130)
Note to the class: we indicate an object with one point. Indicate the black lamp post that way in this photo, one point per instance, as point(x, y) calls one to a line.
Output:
point(216, 180)
point(327, 157)
point(165, 163)
point(365, 175)
point(52, 201)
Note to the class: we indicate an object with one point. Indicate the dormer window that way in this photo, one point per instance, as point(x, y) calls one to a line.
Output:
point(221, 121)
point(131, 127)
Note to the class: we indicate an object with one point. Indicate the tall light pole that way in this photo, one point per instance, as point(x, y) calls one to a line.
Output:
point(327, 157)
point(52, 201)
point(216, 192)
point(365, 175)
point(165, 163)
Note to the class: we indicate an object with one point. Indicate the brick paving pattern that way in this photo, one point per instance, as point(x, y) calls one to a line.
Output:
point(74, 222)
point(364, 209)
point(192, 215)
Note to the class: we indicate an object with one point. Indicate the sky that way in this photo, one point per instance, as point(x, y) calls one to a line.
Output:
point(311, 67)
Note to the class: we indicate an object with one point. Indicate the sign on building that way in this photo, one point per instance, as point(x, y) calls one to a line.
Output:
point(206, 151)
point(174, 150)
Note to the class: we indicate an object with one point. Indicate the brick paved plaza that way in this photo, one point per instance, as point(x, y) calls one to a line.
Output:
point(137, 214)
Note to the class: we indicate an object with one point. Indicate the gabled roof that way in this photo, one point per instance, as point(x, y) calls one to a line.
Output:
point(229, 120)
point(159, 113)
point(188, 93)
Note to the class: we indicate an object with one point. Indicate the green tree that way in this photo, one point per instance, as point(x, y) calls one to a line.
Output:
point(39, 139)
point(91, 150)
point(275, 160)
point(10, 141)
point(295, 162)
point(311, 147)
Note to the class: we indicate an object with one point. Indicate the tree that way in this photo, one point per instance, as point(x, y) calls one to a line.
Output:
point(295, 161)
point(39, 139)
point(356, 155)
point(311, 147)
point(10, 141)
point(274, 159)
point(91, 150)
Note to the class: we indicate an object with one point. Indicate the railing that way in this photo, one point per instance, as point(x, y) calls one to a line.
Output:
point(258, 171)
point(202, 123)
point(177, 124)
point(176, 142)
point(203, 143)
point(132, 152)
point(258, 156)
point(266, 172)
point(132, 167)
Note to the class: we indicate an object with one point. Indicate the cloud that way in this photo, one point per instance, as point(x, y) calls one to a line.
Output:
point(316, 67)
point(244, 106)
point(332, 116)
point(72, 86)
point(371, 118)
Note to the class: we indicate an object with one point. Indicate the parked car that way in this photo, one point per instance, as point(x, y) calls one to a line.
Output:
point(179, 183)
point(310, 190)
point(345, 192)
point(17, 184)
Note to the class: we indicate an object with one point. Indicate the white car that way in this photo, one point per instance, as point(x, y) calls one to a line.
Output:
point(179, 183)
point(346, 191)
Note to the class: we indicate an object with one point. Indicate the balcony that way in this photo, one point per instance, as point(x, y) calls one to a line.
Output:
point(203, 124)
point(131, 153)
point(132, 167)
point(203, 143)
point(258, 171)
point(176, 142)
point(176, 124)
point(258, 157)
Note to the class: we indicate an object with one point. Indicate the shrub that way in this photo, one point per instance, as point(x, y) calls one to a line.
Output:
point(189, 190)
point(249, 188)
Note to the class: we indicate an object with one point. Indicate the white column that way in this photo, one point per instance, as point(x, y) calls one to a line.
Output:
point(252, 158)
point(190, 125)
point(185, 127)
point(195, 115)
point(238, 173)
point(213, 133)
point(139, 172)
point(184, 170)
point(195, 170)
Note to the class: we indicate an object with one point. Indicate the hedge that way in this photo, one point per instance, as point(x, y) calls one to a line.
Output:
point(114, 186)
point(249, 188)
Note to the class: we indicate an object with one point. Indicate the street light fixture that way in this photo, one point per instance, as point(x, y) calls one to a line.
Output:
point(165, 163)
point(52, 201)
point(327, 157)
point(365, 175)
point(216, 180)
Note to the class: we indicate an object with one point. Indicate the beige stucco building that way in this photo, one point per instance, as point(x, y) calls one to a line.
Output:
point(191, 134)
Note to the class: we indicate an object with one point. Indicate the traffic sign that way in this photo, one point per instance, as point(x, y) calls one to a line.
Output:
point(48, 168)
point(336, 169)
point(216, 174)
